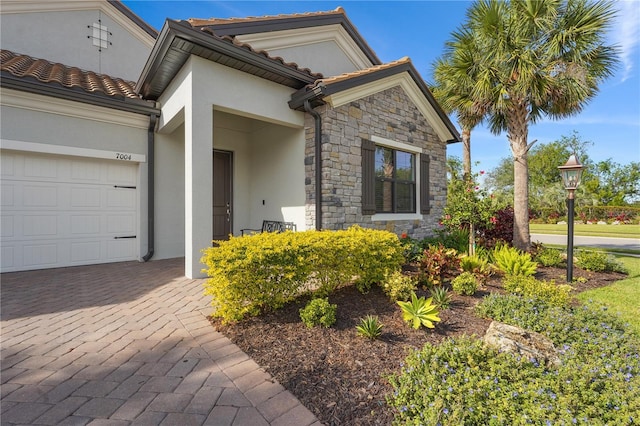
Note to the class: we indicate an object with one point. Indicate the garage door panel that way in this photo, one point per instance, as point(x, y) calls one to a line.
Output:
point(85, 197)
point(77, 218)
point(121, 249)
point(40, 195)
point(85, 251)
point(121, 174)
point(85, 171)
point(40, 226)
point(40, 255)
point(7, 225)
point(121, 224)
point(7, 164)
point(7, 198)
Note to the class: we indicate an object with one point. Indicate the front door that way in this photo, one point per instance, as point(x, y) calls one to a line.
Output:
point(222, 161)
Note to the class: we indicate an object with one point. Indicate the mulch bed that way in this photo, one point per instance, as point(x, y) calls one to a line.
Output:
point(339, 375)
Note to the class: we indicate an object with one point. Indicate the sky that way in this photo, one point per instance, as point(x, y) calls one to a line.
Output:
point(420, 29)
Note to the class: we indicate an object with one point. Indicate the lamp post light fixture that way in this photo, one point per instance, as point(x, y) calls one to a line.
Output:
point(571, 173)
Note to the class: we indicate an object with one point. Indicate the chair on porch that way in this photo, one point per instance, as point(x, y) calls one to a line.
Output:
point(272, 226)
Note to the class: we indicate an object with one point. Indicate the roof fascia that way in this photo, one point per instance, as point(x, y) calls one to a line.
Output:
point(297, 22)
point(294, 37)
point(134, 18)
point(174, 29)
point(344, 91)
point(138, 106)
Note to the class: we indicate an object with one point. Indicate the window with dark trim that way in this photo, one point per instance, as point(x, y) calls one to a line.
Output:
point(395, 181)
point(389, 180)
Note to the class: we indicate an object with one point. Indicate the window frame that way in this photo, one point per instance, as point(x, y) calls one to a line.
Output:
point(422, 171)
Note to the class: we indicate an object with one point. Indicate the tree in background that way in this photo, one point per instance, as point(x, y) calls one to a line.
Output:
point(529, 59)
point(545, 187)
point(612, 184)
point(453, 93)
point(603, 183)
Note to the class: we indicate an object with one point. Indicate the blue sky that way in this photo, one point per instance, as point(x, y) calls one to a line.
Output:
point(419, 29)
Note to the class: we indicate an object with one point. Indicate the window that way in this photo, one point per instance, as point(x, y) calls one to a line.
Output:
point(391, 178)
point(395, 181)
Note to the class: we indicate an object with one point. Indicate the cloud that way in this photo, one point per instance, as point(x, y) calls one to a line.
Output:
point(626, 33)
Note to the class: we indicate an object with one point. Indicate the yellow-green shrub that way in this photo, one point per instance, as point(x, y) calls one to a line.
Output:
point(264, 271)
point(548, 291)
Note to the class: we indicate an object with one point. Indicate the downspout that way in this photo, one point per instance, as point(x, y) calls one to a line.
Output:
point(153, 118)
point(318, 154)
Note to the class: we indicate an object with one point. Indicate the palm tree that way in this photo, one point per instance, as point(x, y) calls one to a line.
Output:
point(528, 59)
point(453, 93)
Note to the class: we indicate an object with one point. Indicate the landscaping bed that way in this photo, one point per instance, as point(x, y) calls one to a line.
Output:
point(339, 375)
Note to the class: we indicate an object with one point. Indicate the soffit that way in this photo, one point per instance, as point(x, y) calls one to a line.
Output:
point(178, 40)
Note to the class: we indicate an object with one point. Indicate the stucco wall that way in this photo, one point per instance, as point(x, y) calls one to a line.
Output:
point(390, 115)
point(169, 195)
point(62, 37)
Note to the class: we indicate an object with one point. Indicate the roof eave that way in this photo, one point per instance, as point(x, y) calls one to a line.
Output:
point(318, 92)
point(138, 106)
point(297, 22)
point(173, 30)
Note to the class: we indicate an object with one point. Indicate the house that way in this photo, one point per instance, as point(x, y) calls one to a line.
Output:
point(121, 143)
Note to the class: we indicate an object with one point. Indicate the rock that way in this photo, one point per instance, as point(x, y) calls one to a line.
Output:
point(562, 222)
point(531, 345)
point(602, 222)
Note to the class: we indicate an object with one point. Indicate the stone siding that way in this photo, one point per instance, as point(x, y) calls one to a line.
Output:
point(391, 115)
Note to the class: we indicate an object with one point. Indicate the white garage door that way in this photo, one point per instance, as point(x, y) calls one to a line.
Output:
point(66, 211)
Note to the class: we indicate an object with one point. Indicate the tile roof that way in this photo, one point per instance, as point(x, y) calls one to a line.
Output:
point(235, 42)
point(361, 73)
point(197, 22)
point(24, 66)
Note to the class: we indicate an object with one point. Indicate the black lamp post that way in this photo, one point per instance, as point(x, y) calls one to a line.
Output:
point(571, 173)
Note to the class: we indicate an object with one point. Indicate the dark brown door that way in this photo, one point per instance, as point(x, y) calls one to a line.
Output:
point(222, 209)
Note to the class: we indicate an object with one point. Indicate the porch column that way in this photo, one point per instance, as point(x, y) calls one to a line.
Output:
point(198, 199)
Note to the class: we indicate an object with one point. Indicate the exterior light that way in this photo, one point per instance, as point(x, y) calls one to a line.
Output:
point(571, 173)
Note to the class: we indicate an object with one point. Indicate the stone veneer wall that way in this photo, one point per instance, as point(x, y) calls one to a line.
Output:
point(391, 115)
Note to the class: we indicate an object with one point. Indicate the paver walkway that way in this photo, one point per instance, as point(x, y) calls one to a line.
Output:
point(127, 344)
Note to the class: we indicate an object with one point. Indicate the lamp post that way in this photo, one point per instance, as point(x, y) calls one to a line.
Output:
point(571, 173)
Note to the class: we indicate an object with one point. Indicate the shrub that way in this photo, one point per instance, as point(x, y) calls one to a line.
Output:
point(419, 311)
point(465, 283)
point(548, 256)
point(411, 248)
point(477, 266)
point(370, 327)
point(529, 287)
point(440, 297)
point(319, 312)
point(438, 263)
point(263, 271)
point(596, 261)
point(501, 231)
point(512, 261)
point(398, 286)
point(463, 382)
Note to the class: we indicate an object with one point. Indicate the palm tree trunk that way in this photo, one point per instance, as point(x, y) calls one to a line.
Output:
point(518, 132)
point(466, 152)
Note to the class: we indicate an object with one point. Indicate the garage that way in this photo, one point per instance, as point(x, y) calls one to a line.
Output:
point(62, 211)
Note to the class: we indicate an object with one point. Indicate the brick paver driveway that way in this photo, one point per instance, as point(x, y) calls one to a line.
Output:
point(127, 343)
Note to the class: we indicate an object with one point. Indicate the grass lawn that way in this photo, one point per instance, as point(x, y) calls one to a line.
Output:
point(615, 231)
point(622, 296)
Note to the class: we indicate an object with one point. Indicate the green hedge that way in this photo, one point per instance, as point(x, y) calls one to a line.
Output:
point(264, 271)
point(625, 214)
